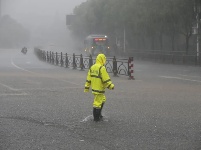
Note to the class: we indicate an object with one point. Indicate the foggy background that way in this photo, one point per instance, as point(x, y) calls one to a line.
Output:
point(45, 20)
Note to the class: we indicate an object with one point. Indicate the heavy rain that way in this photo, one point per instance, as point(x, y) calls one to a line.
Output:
point(100, 74)
point(42, 23)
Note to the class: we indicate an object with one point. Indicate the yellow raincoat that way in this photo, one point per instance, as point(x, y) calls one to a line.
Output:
point(98, 79)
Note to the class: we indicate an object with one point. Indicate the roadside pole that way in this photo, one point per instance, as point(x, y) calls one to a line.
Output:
point(198, 36)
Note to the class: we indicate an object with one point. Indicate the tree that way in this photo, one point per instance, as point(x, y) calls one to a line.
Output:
point(148, 23)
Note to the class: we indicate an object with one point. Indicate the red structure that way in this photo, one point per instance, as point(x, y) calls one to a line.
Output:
point(131, 68)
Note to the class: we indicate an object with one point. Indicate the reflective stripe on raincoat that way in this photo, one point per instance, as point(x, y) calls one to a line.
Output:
point(98, 77)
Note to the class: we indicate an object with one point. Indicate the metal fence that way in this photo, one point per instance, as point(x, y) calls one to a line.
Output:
point(175, 57)
point(113, 65)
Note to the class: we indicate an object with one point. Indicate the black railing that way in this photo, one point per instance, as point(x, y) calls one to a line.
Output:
point(113, 65)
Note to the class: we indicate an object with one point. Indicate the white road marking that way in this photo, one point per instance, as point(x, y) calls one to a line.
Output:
point(10, 88)
point(37, 73)
point(90, 117)
point(20, 67)
point(53, 89)
point(170, 77)
point(14, 94)
point(189, 76)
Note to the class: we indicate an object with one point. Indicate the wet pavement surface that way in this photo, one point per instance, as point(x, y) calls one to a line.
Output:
point(43, 107)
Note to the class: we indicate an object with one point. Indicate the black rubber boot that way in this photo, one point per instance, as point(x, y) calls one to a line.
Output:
point(101, 116)
point(96, 114)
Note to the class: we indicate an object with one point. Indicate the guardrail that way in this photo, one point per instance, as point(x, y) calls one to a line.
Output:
point(113, 65)
point(175, 57)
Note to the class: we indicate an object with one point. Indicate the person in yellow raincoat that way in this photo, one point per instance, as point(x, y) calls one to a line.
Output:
point(98, 79)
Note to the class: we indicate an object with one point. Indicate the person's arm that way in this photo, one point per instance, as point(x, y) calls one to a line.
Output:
point(88, 82)
point(106, 79)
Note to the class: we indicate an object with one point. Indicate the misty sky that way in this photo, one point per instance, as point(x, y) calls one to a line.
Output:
point(41, 7)
point(44, 18)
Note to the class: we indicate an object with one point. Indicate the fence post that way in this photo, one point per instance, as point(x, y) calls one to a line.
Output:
point(56, 58)
point(42, 55)
point(90, 61)
point(66, 60)
point(81, 63)
point(128, 66)
point(74, 63)
point(52, 57)
point(115, 71)
point(47, 57)
point(131, 68)
point(61, 60)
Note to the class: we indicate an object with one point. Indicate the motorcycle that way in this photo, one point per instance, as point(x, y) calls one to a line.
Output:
point(24, 50)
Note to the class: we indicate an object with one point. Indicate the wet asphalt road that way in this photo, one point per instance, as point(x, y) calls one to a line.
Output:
point(43, 107)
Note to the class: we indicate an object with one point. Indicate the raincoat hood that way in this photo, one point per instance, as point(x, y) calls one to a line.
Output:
point(101, 59)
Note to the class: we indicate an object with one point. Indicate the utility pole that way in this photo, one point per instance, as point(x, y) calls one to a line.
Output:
point(124, 39)
point(198, 10)
point(198, 43)
point(124, 30)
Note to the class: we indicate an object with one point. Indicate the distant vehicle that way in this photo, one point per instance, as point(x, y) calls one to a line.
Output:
point(95, 44)
point(24, 50)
